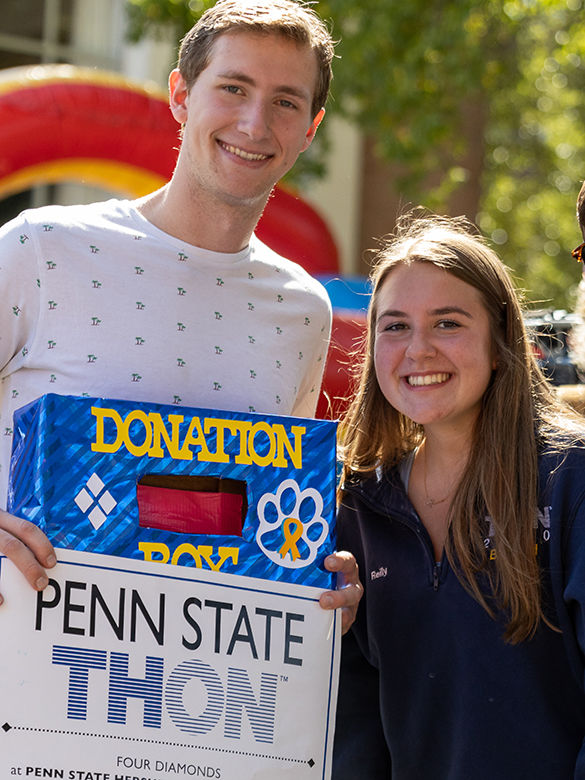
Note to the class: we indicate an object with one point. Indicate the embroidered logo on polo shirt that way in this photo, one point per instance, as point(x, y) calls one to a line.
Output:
point(381, 572)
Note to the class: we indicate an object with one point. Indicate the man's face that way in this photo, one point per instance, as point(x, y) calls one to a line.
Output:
point(246, 118)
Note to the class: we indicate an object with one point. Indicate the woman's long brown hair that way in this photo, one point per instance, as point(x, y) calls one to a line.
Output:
point(501, 477)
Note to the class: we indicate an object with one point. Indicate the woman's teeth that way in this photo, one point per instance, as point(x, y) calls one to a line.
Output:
point(427, 379)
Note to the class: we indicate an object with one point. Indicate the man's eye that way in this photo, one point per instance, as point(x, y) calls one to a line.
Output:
point(232, 88)
point(286, 103)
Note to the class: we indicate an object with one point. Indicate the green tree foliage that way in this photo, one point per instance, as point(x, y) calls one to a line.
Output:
point(443, 83)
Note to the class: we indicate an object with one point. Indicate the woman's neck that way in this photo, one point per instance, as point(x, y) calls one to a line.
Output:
point(436, 473)
point(446, 452)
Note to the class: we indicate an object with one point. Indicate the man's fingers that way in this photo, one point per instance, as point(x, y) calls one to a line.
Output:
point(347, 599)
point(345, 565)
point(350, 590)
point(27, 547)
point(347, 618)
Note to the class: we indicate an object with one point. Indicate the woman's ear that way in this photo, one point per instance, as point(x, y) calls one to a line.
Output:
point(495, 356)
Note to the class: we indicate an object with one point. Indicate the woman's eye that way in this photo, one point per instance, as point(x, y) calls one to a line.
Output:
point(394, 327)
point(448, 324)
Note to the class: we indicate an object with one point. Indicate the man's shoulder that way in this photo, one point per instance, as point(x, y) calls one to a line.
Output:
point(76, 214)
point(289, 272)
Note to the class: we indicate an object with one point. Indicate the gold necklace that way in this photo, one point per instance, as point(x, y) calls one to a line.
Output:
point(431, 502)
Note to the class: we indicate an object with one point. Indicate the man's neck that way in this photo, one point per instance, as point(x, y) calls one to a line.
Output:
point(217, 228)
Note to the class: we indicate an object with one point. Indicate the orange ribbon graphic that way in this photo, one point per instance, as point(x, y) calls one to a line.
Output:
point(291, 537)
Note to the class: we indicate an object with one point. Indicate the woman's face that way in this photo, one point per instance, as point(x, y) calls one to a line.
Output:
point(433, 353)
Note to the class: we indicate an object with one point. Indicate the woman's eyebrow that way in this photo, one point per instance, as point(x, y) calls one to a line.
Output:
point(392, 313)
point(435, 312)
point(452, 310)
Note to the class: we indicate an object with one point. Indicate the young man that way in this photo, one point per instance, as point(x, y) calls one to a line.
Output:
point(171, 298)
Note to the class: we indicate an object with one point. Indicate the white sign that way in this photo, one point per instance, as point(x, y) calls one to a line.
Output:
point(128, 670)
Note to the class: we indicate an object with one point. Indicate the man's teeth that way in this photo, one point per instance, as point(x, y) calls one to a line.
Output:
point(245, 155)
point(427, 379)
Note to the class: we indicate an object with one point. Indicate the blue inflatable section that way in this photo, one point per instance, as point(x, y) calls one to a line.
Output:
point(347, 293)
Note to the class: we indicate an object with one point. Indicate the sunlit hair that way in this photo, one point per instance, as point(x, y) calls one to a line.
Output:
point(518, 410)
point(577, 334)
point(294, 20)
point(581, 209)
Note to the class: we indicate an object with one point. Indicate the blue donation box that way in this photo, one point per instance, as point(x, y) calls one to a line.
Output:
point(228, 491)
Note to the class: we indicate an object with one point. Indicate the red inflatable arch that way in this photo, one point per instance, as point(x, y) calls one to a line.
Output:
point(59, 123)
point(64, 123)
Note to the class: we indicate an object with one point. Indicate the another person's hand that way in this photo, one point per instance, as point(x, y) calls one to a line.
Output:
point(28, 548)
point(349, 588)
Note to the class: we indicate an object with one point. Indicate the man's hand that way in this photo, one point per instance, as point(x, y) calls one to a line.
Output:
point(30, 551)
point(349, 588)
point(28, 548)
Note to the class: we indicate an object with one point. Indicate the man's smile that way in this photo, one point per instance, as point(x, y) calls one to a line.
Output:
point(242, 153)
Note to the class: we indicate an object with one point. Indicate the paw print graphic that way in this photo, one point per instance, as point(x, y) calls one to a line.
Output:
point(291, 525)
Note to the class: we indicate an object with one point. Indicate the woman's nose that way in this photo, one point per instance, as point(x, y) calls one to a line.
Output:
point(420, 346)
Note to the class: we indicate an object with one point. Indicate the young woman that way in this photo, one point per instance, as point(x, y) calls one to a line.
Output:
point(463, 500)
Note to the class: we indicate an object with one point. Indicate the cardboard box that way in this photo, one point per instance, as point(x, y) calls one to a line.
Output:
point(234, 492)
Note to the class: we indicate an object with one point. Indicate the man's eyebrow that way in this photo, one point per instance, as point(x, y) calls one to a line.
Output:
point(287, 89)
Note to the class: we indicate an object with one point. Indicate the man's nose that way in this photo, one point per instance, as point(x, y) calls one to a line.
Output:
point(254, 120)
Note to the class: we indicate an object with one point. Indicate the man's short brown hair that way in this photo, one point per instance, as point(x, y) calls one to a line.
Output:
point(294, 20)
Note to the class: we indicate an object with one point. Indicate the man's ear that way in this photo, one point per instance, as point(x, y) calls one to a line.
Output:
point(178, 93)
point(313, 128)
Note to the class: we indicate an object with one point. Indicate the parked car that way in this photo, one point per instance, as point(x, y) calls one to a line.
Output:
point(549, 329)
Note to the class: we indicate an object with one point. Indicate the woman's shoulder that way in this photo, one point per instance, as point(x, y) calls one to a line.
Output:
point(382, 489)
point(562, 472)
point(564, 452)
